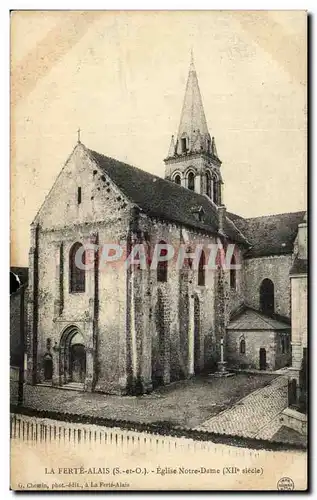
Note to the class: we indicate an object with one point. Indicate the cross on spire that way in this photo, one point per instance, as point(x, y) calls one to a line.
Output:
point(191, 66)
point(78, 134)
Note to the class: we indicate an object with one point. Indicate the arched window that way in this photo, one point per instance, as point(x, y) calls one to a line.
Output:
point(208, 184)
point(233, 273)
point(267, 296)
point(162, 266)
point(242, 346)
point(76, 274)
point(177, 179)
point(183, 144)
point(215, 190)
point(201, 270)
point(191, 181)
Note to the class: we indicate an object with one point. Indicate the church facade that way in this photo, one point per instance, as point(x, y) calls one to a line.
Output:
point(126, 329)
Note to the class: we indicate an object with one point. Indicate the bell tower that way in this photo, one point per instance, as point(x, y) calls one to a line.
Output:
point(192, 159)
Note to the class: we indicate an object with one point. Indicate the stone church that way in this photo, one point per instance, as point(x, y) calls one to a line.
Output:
point(127, 330)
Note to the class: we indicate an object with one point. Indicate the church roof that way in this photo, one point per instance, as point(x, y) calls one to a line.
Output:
point(250, 319)
point(164, 199)
point(271, 234)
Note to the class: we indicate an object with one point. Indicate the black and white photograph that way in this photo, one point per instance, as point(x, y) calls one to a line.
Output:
point(159, 250)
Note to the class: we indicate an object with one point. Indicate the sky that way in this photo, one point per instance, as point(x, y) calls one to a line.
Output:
point(121, 77)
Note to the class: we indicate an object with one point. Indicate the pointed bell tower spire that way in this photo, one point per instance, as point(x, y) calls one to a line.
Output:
point(193, 157)
point(193, 129)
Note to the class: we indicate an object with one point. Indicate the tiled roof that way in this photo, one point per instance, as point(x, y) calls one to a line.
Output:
point(162, 198)
point(254, 320)
point(271, 234)
point(299, 267)
point(289, 435)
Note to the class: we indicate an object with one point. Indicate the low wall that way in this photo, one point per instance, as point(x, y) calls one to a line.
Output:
point(21, 430)
point(295, 420)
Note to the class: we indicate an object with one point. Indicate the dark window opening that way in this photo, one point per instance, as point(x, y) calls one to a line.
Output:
point(183, 145)
point(79, 195)
point(76, 274)
point(215, 191)
point(242, 346)
point(191, 181)
point(208, 184)
point(267, 296)
point(283, 345)
point(201, 270)
point(233, 274)
point(162, 266)
point(177, 179)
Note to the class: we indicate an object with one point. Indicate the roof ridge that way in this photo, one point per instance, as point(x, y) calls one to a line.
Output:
point(261, 316)
point(150, 174)
point(160, 197)
point(121, 161)
point(238, 230)
point(273, 215)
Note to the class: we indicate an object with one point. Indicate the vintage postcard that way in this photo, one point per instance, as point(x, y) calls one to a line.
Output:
point(158, 250)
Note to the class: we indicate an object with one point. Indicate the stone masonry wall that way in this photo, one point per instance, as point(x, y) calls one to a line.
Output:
point(275, 268)
point(254, 340)
point(299, 320)
point(177, 304)
point(103, 213)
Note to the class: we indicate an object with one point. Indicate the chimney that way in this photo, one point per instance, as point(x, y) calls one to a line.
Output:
point(221, 217)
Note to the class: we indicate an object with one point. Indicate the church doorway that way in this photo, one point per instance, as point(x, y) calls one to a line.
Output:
point(73, 356)
point(78, 363)
point(262, 358)
point(196, 335)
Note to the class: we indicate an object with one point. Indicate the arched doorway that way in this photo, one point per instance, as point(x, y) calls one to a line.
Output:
point(77, 359)
point(262, 360)
point(196, 335)
point(267, 296)
point(73, 356)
